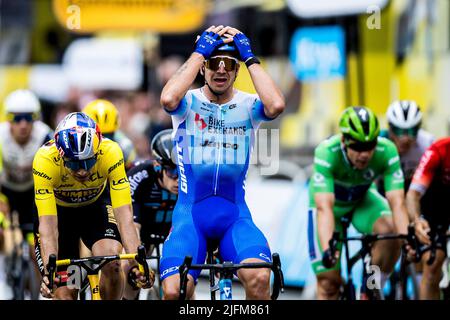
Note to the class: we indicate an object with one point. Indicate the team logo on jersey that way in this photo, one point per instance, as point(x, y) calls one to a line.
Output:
point(200, 122)
point(232, 106)
point(183, 178)
point(398, 174)
point(369, 174)
point(318, 177)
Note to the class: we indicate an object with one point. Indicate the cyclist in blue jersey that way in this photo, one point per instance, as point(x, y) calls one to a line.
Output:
point(214, 127)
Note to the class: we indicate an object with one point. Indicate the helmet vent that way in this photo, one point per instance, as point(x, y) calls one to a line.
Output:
point(83, 141)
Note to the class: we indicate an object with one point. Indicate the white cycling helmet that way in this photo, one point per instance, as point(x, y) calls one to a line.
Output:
point(22, 101)
point(404, 114)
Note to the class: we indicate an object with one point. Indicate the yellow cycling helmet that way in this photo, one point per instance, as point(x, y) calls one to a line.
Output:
point(104, 113)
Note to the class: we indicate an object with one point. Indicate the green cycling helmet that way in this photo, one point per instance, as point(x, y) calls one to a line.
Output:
point(359, 124)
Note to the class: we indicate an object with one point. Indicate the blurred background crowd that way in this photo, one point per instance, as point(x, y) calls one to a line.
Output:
point(323, 54)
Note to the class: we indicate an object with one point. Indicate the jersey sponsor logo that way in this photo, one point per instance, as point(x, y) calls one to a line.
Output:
point(41, 174)
point(422, 164)
point(398, 175)
point(264, 256)
point(200, 122)
point(318, 178)
point(216, 126)
point(57, 159)
point(393, 160)
point(136, 179)
point(78, 196)
point(95, 176)
point(42, 191)
point(119, 163)
point(183, 178)
point(208, 143)
point(64, 177)
point(369, 174)
point(67, 185)
point(323, 163)
point(168, 270)
point(204, 107)
point(232, 106)
point(120, 184)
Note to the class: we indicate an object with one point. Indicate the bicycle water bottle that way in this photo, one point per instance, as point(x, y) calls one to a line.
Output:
point(225, 289)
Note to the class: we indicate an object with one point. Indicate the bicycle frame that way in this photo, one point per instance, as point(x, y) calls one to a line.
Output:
point(226, 270)
point(366, 242)
point(93, 265)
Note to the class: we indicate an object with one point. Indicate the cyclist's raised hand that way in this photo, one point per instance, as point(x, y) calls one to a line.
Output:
point(45, 290)
point(210, 39)
point(138, 280)
point(242, 43)
point(422, 228)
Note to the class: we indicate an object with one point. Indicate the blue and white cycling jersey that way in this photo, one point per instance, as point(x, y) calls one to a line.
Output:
point(214, 143)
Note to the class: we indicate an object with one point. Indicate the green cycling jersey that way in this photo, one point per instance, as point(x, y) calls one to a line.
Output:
point(335, 174)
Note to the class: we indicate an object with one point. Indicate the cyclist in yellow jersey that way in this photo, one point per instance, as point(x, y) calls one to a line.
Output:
point(82, 192)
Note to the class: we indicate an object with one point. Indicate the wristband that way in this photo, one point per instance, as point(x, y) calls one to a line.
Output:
point(251, 61)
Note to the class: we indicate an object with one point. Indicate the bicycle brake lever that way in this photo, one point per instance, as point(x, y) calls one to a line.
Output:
point(183, 270)
point(142, 262)
point(51, 267)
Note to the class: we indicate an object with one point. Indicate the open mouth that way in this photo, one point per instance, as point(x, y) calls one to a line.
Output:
point(220, 81)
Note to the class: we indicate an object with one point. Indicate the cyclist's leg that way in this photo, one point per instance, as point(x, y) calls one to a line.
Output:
point(374, 215)
point(243, 242)
point(328, 279)
point(184, 239)
point(67, 249)
point(432, 274)
point(102, 237)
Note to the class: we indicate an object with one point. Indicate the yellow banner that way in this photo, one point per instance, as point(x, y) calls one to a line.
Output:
point(162, 16)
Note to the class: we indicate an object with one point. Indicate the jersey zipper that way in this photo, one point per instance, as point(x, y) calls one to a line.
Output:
point(219, 151)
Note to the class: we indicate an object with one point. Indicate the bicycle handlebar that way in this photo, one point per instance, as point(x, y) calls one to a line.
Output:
point(275, 266)
point(140, 257)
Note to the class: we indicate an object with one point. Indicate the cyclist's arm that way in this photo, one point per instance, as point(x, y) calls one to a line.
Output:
point(127, 229)
point(176, 88)
point(268, 92)
point(322, 186)
point(325, 217)
point(421, 181)
point(396, 199)
point(48, 235)
point(121, 198)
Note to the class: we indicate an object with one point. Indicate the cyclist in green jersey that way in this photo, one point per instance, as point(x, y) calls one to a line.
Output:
point(345, 167)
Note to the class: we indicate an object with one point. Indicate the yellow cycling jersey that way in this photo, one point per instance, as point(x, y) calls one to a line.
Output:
point(54, 185)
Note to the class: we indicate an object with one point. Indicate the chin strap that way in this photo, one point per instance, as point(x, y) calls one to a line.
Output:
point(344, 152)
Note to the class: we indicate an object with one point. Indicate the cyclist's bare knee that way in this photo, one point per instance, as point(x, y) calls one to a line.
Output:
point(383, 225)
point(256, 283)
point(432, 273)
point(171, 288)
point(64, 293)
point(328, 284)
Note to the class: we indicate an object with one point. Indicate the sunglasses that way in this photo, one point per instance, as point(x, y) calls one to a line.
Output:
point(361, 146)
point(76, 165)
point(18, 117)
point(228, 63)
point(171, 172)
point(412, 132)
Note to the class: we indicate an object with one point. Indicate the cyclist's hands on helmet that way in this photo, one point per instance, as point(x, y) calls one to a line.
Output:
point(210, 39)
point(422, 228)
point(139, 280)
point(45, 290)
point(241, 42)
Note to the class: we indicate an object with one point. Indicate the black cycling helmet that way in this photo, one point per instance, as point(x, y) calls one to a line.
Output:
point(162, 147)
